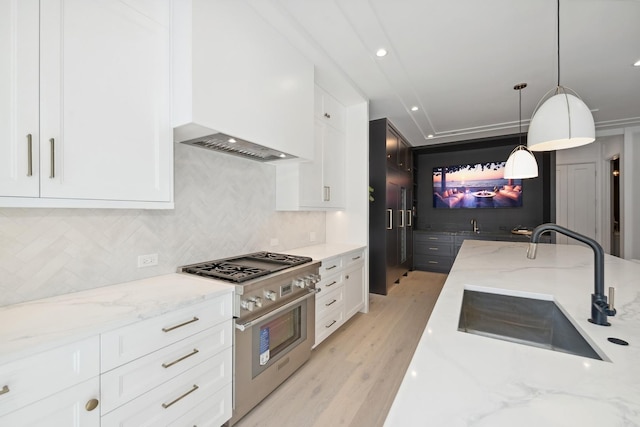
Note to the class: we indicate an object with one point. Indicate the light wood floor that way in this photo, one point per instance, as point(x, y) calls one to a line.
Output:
point(353, 376)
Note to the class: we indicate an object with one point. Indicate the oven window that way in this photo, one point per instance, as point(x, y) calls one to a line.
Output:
point(275, 338)
point(280, 333)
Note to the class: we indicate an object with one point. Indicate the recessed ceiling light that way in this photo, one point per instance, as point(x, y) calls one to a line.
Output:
point(429, 136)
point(231, 140)
point(381, 52)
point(414, 108)
point(637, 63)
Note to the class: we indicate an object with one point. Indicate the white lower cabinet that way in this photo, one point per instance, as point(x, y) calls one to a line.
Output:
point(341, 292)
point(25, 382)
point(74, 406)
point(177, 397)
point(163, 369)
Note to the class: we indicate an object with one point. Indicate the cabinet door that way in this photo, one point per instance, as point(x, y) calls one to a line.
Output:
point(333, 166)
point(354, 290)
point(311, 187)
point(105, 105)
point(392, 148)
point(19, 98)
point(71, 407)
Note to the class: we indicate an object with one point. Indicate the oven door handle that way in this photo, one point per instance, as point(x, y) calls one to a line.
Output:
point(244, 326)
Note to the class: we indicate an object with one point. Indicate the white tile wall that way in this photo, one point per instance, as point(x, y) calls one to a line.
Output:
point(224, 206)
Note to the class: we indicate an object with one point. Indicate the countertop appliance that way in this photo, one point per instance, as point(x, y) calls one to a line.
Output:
point(274, 315)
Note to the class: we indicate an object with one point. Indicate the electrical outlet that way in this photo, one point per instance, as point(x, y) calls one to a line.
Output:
point(312, 236)
point(147, 260)
point(274, 241)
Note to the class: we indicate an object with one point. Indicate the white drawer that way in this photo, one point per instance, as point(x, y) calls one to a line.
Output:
point(135, 378)
point(353, 258)
point(329, 283)
point(131, 342)
point(330, 266)
point(43, 374)
point(64, 408)
point(329, 322)
point(329, 301)
point(212, 412)
point(176, 397)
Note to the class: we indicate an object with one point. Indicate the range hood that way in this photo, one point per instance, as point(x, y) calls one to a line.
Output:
point(228, 144)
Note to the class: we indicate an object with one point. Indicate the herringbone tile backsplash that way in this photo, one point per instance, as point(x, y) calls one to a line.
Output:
point(225, 206)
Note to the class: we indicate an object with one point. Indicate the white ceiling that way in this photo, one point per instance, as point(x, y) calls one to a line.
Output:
point(458, 60)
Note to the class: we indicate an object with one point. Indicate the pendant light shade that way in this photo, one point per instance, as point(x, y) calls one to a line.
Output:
point(562, 121)
point(521, 162)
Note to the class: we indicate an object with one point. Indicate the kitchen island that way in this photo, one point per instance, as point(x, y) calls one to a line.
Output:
point(462, 379)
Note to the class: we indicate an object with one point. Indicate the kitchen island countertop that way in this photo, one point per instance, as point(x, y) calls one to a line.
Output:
point(460, 379)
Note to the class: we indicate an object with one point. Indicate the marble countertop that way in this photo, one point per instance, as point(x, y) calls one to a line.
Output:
point(324, 250)
point(459, 379)
point(40, 325)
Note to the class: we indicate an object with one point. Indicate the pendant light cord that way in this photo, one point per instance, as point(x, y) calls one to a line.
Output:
point(558, 43)
point(520, 116)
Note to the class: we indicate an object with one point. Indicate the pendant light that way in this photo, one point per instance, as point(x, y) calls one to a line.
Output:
point(521, 162)
point(563, 120)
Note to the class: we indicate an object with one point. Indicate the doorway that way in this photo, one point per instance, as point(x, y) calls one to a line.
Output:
point(615, 205)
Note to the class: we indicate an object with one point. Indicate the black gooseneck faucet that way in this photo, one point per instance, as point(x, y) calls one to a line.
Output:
point(600, 309)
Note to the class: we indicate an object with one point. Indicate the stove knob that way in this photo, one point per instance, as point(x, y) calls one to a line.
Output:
point(258, 301)
point(247, 304)
point(299, 283)
point(270, 295)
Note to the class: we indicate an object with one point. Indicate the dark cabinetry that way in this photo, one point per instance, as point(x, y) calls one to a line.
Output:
point(436, 250)
point(391, 212)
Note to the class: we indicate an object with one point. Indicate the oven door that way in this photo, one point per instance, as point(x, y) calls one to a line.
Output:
point(269, 349)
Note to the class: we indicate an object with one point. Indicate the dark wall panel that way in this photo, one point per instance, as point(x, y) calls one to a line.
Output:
point(538, 205)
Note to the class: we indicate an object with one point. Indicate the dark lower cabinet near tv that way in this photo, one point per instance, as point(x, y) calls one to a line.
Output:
point(436, 250)
point(391, 212)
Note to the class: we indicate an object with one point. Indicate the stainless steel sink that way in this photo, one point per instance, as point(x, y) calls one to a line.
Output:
point(534, 322)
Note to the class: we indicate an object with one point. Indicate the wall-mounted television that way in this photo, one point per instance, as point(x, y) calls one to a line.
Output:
point(471, 186)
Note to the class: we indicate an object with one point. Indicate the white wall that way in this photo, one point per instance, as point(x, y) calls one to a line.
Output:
point(630, 173)
point(225, 206)
point(607, 145)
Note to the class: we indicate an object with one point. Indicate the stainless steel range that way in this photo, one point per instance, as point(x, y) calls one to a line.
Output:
point(274, 311)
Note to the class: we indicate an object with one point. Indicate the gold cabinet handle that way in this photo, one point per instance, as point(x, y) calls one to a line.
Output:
point(328, 304)
point(5, 390)
point(195, 319)
point(29, 155)
point(166, 405)
point(91, 405)
point(52, 142)
point(167, 365)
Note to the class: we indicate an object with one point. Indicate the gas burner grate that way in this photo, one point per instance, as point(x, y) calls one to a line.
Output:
point(227, 271)
point(281, 258)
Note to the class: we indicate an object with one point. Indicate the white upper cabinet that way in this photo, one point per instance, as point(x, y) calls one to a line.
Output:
point(319, 184)
point(19, 132)
point(234, 73)
point(102, 100)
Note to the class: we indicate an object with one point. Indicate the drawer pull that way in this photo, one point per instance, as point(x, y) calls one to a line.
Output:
point(330, 324)
point(91, 405)
point(433, 249)
point(331, 284)
point(195, 319)
point(167, 365)
point(355, 258)
point(331, 268)
point(166, 405)
point(329, 303)
point(433, 262)
point(433, 238)
point(4, 390)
